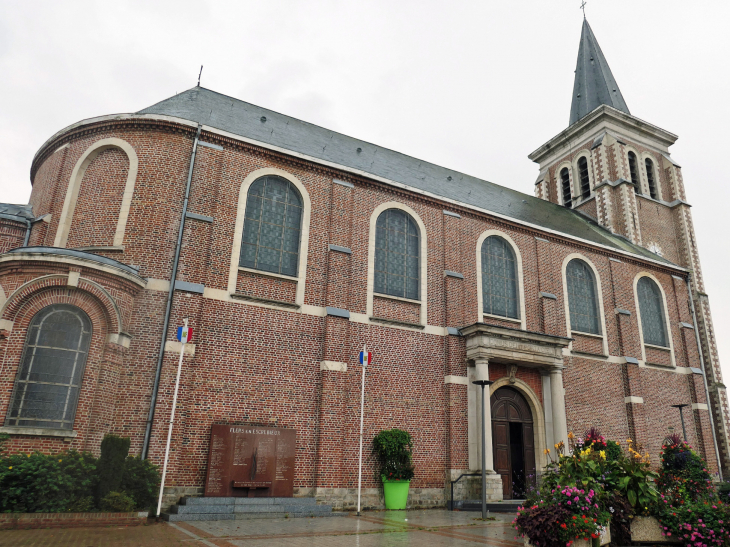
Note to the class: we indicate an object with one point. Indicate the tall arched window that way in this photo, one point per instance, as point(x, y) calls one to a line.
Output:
point(585, 184)
point(47, 385)
point(650, 177)
point(634, 170)
point(582, 298)
point(499, 278)
point(651, 306)
point(397, 251)
point(565, 182)
point(272, 226)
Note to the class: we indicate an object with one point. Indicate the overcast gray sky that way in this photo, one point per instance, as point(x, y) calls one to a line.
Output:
point(473, 86)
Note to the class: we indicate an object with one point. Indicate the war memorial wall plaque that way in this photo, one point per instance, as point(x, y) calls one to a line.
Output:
point(250, 461)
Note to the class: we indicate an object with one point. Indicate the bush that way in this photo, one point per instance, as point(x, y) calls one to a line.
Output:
point(69, 481)
point(395, 449)
point(117, 502)
point(114, 452)
point(141, 481)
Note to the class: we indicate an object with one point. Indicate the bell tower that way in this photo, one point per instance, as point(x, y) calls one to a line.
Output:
point(615, 168)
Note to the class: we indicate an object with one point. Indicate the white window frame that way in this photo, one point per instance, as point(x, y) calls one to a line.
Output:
point(667, 324)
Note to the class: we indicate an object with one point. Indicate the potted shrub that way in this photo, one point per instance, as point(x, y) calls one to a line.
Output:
point(395, 449)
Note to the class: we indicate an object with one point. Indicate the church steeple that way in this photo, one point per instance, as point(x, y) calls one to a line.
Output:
point(594, 84)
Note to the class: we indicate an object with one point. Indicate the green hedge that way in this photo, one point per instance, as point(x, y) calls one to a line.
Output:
point(71, 481)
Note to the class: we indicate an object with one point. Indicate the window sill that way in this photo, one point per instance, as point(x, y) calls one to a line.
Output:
point(108, 248)
point(588, 353)
point(38, 431)
point(397, 323)
point(661, 348)
point(279, 303)
point(588, 334)
point(502, 318)
point(399, 298)
point(268, 274)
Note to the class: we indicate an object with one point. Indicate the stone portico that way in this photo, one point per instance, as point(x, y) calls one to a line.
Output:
point(487, 344)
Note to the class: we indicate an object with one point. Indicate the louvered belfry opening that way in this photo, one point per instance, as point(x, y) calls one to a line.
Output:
point(565, 182)
point(585, 184)
point(634, 170)
point(650, 177)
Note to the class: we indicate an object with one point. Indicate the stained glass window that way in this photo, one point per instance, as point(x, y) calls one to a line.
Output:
point(582, 298)
point(565, 182)
point(47, 385)
point(651, 307)
point(585, 184)
point(633, 170)
point(650, 177)
point(272, 227)
point(499, 278)
point(397, 252)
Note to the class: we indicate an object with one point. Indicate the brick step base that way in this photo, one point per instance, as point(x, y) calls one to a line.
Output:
point(191, 509)
point(507, 506)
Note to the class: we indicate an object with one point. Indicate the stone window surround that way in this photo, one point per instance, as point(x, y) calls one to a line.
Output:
point(559, 180)
point(657, 181)
point(520, 278)
point(423, 316)
point(591, 179)
point(667, 323)
point(238, 230)
point(599, 290)
point(74, 186)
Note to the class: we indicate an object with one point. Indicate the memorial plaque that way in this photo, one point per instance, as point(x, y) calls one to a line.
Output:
point(250, 461)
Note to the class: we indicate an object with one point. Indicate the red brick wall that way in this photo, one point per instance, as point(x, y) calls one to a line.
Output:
point(256, 364)
point(12, 234)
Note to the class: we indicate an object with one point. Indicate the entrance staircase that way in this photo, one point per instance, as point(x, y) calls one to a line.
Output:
point(190, 509)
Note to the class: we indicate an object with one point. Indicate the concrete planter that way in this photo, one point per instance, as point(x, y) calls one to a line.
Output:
point(648, 530)
point(605, 540)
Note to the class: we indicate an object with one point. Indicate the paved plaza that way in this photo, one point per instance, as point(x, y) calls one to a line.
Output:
point(373, 529)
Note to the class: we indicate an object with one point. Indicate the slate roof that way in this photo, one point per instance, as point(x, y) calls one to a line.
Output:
point(23, 211)
point(244, 119)
point(594, 83)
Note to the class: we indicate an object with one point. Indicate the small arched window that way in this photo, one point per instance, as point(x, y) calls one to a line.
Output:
point(47, 386)
point(499, 278)
point(272, 226)
point(585, 184)
point(650, 177)
point(582, 298)
point(634, 171)
point(565, 185)
point(397, 255)
point(651, 306)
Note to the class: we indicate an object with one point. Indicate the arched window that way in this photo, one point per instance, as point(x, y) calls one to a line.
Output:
point(651, 307)
point(582, 298)
point(397, 252)
point(272, 226)
point(634, 170)
point(650, 177)
point(47, 386)
point(585, 184)
point(565, 182)
point(499, 278)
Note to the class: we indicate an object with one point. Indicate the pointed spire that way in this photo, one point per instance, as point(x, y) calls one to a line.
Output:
point(594, 84)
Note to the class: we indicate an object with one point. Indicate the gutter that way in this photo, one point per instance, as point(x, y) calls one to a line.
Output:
point(704, 377)
point(170, 294)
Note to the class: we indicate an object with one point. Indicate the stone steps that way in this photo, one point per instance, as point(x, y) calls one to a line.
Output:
point(506, 506)
point(197, 508)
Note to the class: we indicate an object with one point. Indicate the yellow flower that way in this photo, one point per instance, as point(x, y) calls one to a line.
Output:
point(571, 436)
point(10, 467)
point(556, 445)
point(59, 461)
point(602, 453)
point(629, 441)
point(29, 455)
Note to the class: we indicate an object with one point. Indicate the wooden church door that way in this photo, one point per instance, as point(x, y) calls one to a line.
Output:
point(513, 441)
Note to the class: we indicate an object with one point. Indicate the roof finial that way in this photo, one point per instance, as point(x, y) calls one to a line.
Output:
point(583, 7)
point(201, 72)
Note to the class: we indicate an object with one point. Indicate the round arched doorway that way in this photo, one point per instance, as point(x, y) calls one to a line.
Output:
point(513, 441)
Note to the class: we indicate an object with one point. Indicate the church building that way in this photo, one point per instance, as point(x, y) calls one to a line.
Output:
point(289, 247)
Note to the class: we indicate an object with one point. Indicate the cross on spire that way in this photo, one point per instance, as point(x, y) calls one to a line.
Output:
point(583, 7)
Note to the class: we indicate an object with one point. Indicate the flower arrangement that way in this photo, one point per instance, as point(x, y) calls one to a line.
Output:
point(394, 448)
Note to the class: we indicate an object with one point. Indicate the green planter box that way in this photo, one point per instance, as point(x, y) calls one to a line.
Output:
point(395, 493)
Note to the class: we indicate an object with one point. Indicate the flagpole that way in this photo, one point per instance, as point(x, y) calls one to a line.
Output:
point(172, 418)
point(362, 411)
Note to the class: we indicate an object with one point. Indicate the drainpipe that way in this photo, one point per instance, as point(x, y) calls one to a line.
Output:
point(704, 376)
point(170, 293)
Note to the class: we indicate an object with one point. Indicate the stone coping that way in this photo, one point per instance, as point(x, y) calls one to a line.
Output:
point(10, 521)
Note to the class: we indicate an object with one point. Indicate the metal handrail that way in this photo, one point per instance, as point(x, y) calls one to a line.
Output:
point(457, 480)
